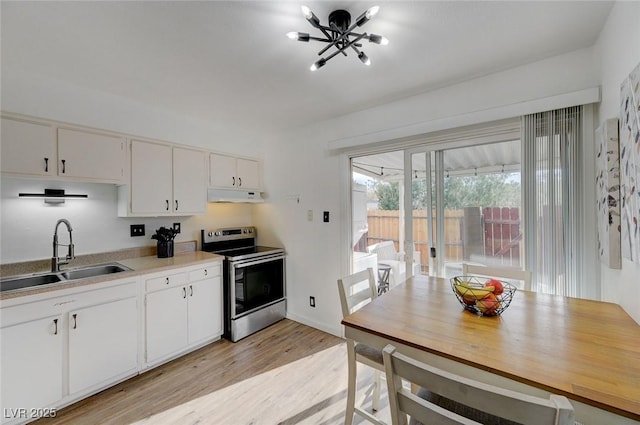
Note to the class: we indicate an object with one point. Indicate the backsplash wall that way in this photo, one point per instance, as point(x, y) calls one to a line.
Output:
point(27, 225)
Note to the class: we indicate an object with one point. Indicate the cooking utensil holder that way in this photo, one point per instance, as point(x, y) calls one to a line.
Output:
point(165, 249)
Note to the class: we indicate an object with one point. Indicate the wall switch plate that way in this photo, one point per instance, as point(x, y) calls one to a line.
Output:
point(176, 227)
point(325, 216)
point(312, 301)
point(137, 230)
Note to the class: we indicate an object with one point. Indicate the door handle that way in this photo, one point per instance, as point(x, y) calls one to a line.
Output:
point(191, 290)
point(64, 165)
point(167, 207)
point(184, 292)
point(234, 181)
point(46, 165)
point(239, 181)
point(75, 321)
point(176, 205)
point(55, 324)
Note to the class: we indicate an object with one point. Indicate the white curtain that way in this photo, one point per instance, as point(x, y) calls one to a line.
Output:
point(552, 183)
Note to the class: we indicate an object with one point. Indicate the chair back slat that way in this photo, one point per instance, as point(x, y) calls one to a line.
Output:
point(499, 272)
point(487, 399)
point(356, 290)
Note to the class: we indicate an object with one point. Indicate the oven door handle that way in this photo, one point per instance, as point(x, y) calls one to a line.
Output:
point(238, 264)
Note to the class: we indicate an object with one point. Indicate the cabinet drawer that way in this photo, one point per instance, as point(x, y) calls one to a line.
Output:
point(205, 272)
point(167, 281)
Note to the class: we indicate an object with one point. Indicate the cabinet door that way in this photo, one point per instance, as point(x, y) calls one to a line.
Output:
point(28, 148)
point(166, 322)
point(103, 343)
point(248, 174)
point(93, 156)
point(189, 181)
point(31, 365)
point(151, 178)
point(222, 171)
point(205, 309)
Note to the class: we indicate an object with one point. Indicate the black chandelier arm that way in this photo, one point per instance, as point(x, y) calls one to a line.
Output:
point(341, 50)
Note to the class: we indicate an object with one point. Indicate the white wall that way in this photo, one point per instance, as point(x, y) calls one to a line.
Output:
point(618, 52)
point(300, 164)
point(28, 224)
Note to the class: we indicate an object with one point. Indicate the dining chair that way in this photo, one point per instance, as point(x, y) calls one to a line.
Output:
point(356, 290)
point(499, 272)
point(446, 398)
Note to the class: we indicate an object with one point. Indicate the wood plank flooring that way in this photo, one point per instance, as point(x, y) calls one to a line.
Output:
point(286, 374)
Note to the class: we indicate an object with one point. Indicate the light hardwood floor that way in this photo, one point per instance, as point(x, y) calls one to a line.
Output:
point(286, 374)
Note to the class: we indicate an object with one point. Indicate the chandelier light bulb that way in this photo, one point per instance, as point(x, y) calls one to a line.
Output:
point(319, 64)
point(292, 35)
point(372, 11)
point(364, 58)
point(306, 12)
point(384, 41)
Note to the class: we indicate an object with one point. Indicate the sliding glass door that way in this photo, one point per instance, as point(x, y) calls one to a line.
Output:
point(466, 206)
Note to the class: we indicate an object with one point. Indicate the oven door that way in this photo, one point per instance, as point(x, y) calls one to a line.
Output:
point(255, 283)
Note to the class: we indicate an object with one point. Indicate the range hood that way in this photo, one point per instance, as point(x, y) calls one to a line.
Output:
point(226, 195)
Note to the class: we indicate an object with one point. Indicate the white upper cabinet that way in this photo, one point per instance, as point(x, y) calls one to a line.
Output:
point(189, 181)
point(91, 156)
point(151, 178)
point(28, 148)
point(233, 173)
point(165, 180)
point(34, 148)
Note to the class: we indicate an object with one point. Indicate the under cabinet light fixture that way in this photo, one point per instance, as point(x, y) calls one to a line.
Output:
point(52, 196)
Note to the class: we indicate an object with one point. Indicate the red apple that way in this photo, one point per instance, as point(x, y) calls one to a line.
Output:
point(488, 305)
point(497, 285)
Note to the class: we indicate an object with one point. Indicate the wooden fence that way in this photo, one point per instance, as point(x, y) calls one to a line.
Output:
point(500, 233)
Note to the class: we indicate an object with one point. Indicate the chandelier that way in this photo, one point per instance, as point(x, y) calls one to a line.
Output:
point(339, 34)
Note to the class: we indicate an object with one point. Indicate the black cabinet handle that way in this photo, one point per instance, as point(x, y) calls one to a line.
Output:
point(239, 181)
point(191, 290)
point(166, 280)
point(184, 292)
point(75, 321)
point(64, 166)
point(46, 165)
point(234, 181)
point(167, 201)
point(206, 271)
point(176, 205)
point(55, 324)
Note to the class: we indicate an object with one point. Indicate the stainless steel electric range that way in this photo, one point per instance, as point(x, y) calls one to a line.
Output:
point(254, 280)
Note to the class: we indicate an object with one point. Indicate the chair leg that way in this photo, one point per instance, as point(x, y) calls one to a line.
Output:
point(376, 391)
point(351, 386)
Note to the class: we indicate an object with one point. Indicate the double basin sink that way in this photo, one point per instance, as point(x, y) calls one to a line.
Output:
point(24, 282)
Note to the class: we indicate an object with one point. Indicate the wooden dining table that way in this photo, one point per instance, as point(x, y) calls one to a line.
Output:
point(588, 351)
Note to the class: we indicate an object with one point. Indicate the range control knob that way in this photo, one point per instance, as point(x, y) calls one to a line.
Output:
point(210, 234)
point(249, 230)
point(217, 233)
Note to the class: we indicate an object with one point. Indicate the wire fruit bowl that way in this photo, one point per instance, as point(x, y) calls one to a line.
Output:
point(481, 295)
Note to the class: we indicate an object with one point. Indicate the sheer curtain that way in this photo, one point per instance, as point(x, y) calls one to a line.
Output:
point(552, 183)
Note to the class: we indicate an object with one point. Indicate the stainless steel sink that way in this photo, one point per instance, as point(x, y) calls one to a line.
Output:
point(93, 271)
point(23, 282)
point(28, 281)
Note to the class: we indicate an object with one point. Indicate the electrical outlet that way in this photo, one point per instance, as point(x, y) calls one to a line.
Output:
point(325, 217)
point(312, 301)
point(176, 227)
point(137, 230)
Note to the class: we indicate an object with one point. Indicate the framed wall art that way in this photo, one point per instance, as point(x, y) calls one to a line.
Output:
point(630, 165)
point(608, 193)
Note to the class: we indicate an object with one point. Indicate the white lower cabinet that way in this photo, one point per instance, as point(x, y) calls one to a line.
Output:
point(31, 366)
point(60, 349)
point(103, 343)
point(186, 312)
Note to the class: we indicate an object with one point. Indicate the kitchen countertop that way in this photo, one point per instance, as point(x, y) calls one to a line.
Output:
point(138, 266)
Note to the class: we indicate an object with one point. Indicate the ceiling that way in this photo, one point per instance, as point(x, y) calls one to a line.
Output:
point(230, 61)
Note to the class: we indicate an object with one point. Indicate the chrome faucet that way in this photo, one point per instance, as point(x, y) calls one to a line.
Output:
point(56, 262)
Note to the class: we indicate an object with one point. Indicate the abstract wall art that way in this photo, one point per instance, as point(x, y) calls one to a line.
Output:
point(608, 193)
point(630, 165)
